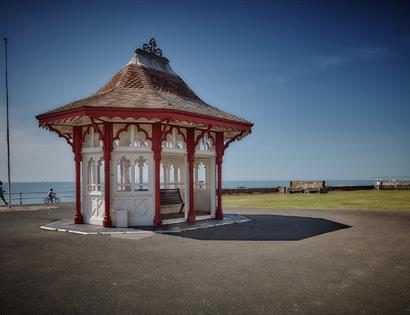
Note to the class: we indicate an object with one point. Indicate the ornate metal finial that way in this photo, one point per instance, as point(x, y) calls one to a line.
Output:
point(150, 49)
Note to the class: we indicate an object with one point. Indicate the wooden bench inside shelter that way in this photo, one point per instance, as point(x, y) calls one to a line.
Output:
point(170, 197)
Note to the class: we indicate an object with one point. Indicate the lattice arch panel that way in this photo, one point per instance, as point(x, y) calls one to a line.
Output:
point(92, 138)
point(174, 139)
point(132, 136)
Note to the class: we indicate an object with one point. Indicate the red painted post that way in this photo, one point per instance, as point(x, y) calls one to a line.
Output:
point(157, 148)
point(77, 145)
point(219, 156)
point(107, 161)
point(191, 161)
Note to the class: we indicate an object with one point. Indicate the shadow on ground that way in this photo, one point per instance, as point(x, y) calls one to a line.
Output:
point(266, 228)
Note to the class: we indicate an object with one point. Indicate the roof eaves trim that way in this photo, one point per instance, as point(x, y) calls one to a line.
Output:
point(148, 113)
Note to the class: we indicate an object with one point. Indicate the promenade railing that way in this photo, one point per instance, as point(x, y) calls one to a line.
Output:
point(35, 197)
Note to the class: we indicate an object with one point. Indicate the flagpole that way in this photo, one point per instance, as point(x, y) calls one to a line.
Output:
point(7, 122)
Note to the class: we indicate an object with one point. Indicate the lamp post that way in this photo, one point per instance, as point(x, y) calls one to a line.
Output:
point(7, 122)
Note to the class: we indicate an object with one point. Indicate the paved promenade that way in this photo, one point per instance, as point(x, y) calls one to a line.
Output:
point(280, 262)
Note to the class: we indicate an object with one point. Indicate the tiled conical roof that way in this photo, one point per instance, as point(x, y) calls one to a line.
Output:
point(148, 82)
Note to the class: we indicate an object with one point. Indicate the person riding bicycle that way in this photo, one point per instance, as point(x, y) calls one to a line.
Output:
point(51, 195)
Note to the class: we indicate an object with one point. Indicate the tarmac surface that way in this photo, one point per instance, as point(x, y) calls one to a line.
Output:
point(281, 262)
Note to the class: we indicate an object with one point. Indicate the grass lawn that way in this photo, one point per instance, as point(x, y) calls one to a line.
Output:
point(365, 199)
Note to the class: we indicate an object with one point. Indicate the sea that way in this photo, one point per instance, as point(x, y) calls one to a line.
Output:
point(35, 192)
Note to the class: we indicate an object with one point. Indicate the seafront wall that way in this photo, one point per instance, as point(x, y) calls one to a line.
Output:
point(349, 188)
point(279, 189)
point(249, 191)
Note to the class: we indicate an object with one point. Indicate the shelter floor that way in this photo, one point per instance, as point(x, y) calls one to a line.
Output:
point(171, 216)
point(67, 225)
point(200, 213)
point(176, 215)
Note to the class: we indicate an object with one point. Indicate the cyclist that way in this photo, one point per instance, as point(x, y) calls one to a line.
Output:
point(51, 195)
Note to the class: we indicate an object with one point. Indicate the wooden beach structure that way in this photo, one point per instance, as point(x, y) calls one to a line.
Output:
point(147, 149)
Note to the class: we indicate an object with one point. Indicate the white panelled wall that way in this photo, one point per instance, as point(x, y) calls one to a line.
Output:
point(132, 175)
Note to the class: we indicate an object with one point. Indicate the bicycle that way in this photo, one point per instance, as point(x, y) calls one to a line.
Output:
point(48, 200)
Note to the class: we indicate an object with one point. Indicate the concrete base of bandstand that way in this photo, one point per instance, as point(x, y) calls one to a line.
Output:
point(67, 225)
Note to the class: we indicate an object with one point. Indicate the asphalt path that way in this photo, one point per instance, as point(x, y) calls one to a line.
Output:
point(283, 261)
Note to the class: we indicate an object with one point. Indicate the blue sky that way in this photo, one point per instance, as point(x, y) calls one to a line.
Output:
point(327, 84)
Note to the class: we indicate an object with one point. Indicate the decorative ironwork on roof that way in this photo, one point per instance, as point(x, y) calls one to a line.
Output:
point(150, 49)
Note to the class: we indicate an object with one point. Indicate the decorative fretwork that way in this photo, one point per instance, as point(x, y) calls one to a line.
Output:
point(92, 138)
point(67, 136)
point(91, 175)
point(206, 143)
point(201, 176)
point(123, 174)
point(174, 139)
point(171, 173)
point(131, 136)
point(205, 140)
point(95, 174)
point(233, 139)
point(100, 174)
point(150, 49)
point(141, 177)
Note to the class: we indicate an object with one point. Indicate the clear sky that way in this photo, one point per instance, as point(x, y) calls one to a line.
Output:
point(327, 84)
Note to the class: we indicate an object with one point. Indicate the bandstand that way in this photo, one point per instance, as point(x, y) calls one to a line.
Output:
point(141, 134)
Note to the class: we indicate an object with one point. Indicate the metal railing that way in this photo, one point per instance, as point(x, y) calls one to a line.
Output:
point(21, 198)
